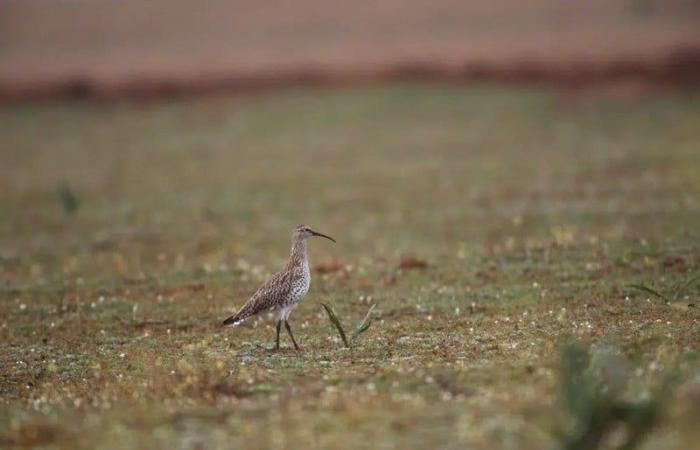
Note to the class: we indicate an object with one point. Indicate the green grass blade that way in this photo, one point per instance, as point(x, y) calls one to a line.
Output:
point(364, 325)
point(69, 200)
point(648, 290)
point(335, 321)
point(576, 387)
point(684, 287)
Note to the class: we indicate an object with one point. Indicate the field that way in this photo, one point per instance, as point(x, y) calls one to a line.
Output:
point(130, 230)
point(167, 47)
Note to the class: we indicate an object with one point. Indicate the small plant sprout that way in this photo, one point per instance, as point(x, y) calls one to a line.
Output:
point(364, 325)
point(336, 322)
point(596, 403)
point(361, 328)
point(69, 200)
point(677, 294)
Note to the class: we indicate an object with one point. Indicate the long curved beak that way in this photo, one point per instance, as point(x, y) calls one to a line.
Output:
point(316, 233)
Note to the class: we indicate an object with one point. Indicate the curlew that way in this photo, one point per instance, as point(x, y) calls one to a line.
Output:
point(285, 289)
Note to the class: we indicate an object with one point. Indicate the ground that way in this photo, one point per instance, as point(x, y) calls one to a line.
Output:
point(165, 47)
point(532, 208)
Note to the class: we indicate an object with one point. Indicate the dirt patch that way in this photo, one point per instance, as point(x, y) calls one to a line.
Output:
point(111, 49)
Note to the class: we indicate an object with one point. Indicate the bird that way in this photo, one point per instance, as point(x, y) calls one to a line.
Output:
point(285, 289)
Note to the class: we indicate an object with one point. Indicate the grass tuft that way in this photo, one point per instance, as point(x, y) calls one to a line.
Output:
point(69, 200)
point(677, 295)
point(336, 323)
point(364, 325)
point(648, 290)
point(684, 287)
point(359, 329)
point(594, 398)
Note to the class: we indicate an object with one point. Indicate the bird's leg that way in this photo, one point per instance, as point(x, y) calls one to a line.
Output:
point(279, 325)
point(289, 330)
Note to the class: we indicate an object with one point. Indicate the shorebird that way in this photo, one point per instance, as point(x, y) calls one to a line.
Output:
point(285, 289)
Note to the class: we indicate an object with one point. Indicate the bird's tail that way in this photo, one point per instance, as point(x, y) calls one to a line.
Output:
point(233, 321)
point(238, 318)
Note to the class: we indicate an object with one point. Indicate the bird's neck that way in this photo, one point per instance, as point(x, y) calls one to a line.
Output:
point(298, 255)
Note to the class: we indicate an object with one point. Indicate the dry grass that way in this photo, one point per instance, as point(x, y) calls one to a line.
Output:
point(532, 215)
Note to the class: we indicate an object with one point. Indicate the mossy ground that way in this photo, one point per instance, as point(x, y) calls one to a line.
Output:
point(532, 209)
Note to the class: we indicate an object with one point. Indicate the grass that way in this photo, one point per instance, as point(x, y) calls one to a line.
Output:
point(359, 329)
point(533, 210)
point(677, 294)
point(593, 392)
point(68, 199)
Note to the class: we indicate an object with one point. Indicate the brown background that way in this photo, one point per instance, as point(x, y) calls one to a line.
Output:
point(109, 47)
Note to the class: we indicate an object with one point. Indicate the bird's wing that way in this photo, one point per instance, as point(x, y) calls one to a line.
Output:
point(269, 295)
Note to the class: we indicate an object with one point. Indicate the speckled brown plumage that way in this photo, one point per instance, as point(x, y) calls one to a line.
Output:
point(285, 289)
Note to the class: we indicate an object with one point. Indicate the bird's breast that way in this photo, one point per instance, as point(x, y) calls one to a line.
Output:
point(300, 287)
point(301, 283)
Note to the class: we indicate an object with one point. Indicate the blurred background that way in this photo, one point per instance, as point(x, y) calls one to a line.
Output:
point(110, 48)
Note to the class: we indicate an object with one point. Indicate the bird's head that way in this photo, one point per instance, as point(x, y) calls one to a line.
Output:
point(302, 232)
